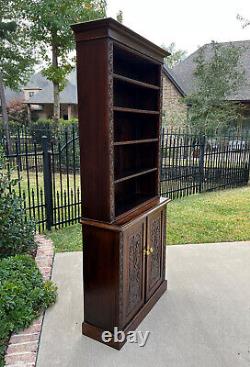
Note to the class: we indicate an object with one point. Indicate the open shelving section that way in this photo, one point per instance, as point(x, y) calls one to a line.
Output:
point(136, 99)
point(119, 76)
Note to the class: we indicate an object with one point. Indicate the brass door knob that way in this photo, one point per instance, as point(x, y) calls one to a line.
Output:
point(149, 251)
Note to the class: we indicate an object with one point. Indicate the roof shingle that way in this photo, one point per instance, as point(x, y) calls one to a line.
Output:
point(185, 69)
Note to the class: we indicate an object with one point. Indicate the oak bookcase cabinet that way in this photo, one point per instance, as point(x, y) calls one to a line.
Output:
point(119, 76)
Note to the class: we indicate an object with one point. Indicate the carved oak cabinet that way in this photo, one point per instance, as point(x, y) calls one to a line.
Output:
point(119, 76)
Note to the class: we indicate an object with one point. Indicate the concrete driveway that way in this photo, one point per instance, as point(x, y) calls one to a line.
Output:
point(202, 321)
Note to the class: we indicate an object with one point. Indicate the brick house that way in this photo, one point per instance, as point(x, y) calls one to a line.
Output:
point(174, 110)
point(183, 76)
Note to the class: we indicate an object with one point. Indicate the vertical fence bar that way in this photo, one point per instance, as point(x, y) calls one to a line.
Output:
point(201, 161)
point(47, 183)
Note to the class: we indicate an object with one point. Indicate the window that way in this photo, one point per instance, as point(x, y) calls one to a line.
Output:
point(31, 94)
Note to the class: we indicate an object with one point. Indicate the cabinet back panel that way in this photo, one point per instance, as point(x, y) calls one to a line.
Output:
point(136, 67)
point(131, 96)
point(137, 157)
point(133, 192)
point(133, 126)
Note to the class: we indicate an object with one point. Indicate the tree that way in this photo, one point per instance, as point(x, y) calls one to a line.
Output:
point(16, 59)
point(119, 16)
point(51, 31)
point(176, 56)
point(244, 21)
point(216, 78)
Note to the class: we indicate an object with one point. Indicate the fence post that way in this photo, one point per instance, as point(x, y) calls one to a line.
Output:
point(47, 177)
point(201, 161)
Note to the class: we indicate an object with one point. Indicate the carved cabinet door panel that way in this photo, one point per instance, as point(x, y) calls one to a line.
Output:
point(133, 263)
point(155, 251)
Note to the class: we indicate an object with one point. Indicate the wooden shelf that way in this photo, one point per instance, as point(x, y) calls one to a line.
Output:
point(140, 141)
point(135, 174)
point(132, 203)
point(135, 110)
point(135, 82)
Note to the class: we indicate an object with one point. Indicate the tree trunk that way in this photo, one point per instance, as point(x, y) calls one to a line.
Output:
point(28, 113)
point(56, 91)
point(5, 115)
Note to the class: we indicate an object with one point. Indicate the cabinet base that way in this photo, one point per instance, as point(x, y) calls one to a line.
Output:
point(96, 333)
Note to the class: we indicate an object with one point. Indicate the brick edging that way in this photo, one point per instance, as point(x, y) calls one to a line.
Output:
point(22, 348)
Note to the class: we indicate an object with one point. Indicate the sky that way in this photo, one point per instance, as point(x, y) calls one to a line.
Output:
point(188, 23)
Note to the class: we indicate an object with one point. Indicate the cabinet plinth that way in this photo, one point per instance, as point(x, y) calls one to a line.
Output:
point(119, 82)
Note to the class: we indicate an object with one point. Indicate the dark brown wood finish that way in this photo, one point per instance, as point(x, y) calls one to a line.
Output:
point(120, 273)
point(119, 90)
point(155, 248)
point(96, 333)
point(119, 75)
point(100, 273)
point(110, 28)
point(95, 122)
point(133, 266)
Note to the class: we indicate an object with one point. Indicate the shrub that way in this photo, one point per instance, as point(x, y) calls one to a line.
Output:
point(23, 295)
point(38, 128)
point(14, 128)
point(17, 110)
point(16, 232)
point(49, 128)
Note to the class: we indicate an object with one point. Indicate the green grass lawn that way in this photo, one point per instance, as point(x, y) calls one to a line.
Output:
point(210, 217)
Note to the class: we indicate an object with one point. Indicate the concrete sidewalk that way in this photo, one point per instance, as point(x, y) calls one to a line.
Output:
point(202, 321)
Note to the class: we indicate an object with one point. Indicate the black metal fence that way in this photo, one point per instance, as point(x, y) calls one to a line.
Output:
point(48, 173)
point(48, 169)
point(193, 163)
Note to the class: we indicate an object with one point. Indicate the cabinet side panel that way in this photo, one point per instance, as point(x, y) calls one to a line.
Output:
point(100, 273)
point(94, 70)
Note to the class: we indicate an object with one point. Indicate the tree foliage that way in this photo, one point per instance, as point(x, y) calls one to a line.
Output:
point(244, 21)
point(119, 16)
point(176, 56)
point(51, 32)
point(16, 55)
point(217, 77)
point(17, 111)
point(16, 61)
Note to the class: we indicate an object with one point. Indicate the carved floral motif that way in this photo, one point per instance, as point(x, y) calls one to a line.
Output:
point(155, 263)
point(111, 122)
point(135, 271)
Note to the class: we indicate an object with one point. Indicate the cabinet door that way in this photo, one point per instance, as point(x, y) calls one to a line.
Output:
point(155, 251)
point(133, 270)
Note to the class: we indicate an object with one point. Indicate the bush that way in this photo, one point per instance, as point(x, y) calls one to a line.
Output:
point(23, 295)
point(16, 232)
point(49, 128)
point(14, 128)
point(17, 110)
point(37, 129)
